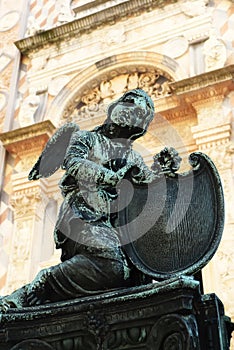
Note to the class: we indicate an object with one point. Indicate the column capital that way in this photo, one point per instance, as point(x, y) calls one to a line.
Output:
point(28, 196)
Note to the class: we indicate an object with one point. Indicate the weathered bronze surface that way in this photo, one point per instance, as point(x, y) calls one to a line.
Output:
point(94, 163)
point(167, 315)
point(122, 225)
point(173, 225)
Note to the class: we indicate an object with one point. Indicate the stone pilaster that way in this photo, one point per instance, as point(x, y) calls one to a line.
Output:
point(213, 137)
point(29, 201)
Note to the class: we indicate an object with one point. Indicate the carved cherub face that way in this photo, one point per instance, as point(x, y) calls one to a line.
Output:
point(134, 110)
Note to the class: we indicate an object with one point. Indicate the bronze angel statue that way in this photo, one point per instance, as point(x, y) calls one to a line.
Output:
point(94, 161)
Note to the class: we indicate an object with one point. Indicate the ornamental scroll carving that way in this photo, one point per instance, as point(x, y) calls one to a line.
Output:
point(94, 102)
point(174, 332)
point(32, 344)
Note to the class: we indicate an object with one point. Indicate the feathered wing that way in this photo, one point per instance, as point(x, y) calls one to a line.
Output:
point(54, 152)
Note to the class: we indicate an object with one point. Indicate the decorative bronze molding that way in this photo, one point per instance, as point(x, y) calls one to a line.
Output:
point(89, 23)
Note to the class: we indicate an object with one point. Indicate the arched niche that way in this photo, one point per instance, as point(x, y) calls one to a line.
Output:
point(87, 95)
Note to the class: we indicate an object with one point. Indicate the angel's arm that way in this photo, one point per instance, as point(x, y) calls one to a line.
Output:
point(142, 173)
point(77, 164)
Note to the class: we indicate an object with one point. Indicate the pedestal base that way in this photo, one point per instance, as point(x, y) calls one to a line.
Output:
point(165, 315)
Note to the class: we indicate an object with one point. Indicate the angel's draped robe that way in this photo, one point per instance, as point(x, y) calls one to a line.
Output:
point(92, 257)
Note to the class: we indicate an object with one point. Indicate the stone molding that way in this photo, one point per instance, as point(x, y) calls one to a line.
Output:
point(198, 93)
point(46, 63)
point(167, 315)
point(109, 68)
point(207, 137)
point(89, 23)
point(205, 94)
point(94, 102)
point(27, 199)
point(183, 96)
point(27, 140)
point(222, 75)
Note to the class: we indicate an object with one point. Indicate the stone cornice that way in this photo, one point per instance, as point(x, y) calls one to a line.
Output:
point(27, 139)
point(186, 94)
point(89, 23)
point(223, 75)
point(88, 5)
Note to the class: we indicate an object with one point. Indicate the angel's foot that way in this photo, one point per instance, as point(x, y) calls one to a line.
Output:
point(36, 290)
point(5, 305)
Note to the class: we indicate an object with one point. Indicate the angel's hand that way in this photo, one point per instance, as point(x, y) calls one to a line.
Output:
point(122, 172)
point(108, 177)
point(113, 178)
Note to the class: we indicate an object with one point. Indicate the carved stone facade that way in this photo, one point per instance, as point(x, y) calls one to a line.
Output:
point(73, 59)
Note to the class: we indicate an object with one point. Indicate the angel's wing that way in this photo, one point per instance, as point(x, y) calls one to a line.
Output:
point(54, 152)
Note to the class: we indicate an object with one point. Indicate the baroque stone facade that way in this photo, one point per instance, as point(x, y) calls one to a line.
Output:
point(72, 59)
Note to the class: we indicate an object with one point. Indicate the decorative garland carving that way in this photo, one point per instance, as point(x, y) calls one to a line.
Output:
point(94, 101)
point(121, 338)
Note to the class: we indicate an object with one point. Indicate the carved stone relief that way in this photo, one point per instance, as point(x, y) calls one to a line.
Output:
point(9, 20)
point(114, 36)
point(211, 116)
point(94, 102)
point(175, 47)
point(32, 26)
point(29, 204)
point(193, 8)
point(222, 155)
point(65, 12)
point(18, 271)
point(24, 202)
point(3, 260)
point(41, 62)
point(215, 53)
point(26, 162)
point(21, 245)
point(28, 109)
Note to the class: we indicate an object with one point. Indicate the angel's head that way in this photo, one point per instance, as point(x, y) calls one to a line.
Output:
point(129, 116)
point(134, 111)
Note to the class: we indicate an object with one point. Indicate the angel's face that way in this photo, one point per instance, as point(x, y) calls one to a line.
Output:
point(131, 111)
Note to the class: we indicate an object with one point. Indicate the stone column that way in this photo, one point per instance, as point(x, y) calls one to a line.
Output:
point(213, 137)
